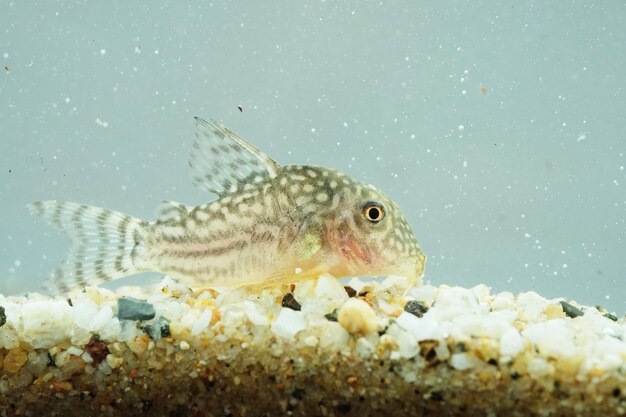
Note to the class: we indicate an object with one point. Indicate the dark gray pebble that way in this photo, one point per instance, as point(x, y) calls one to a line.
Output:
point(416, 308)
point(158, 328)
point(129, 308)
point(332, 316)
point(570, 310)
point(3, 317)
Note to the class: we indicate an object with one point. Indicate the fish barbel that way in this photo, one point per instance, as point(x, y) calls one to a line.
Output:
point(271, 224)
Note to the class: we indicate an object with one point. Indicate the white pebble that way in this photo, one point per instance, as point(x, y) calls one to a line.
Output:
point(463, 361)
point(254, 315)
point(288, 323)
point(203, 322)
point(424, 328)
point(511, 343)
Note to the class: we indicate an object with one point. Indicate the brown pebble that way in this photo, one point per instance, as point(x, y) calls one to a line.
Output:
point(427, 350)
point(290, 302)
point(14, 360)
point(73, 366)
point(97, 349)
point(351, 291)
point(352, 379)
point(60, 386)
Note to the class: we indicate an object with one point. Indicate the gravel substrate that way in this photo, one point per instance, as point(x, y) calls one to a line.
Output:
point(317, 348)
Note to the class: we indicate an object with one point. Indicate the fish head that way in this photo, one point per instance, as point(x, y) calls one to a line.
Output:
point(363, 231)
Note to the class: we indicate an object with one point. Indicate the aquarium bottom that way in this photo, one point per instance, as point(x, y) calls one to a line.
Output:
point(316, 348)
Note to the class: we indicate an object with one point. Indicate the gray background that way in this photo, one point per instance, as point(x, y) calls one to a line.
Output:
point(498, 126)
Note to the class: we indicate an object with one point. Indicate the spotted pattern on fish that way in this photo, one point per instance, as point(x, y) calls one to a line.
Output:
point(271, 223)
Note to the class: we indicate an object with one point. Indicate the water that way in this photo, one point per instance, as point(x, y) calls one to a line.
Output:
point(499, 128)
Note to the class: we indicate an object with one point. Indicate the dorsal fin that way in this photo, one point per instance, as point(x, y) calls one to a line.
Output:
point(221, 161)
point(172, 211)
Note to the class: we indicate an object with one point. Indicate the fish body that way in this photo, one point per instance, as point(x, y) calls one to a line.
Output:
point(270, 224)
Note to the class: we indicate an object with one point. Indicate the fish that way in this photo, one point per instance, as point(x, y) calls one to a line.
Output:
point(270, 224)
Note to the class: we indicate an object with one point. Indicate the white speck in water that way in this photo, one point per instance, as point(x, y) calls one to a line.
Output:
point(312, 130)
point(345, 124)
point(464, 164)
point(67, 99)
point(607, 297)
point(5, 55)
point(156, 51)
point(621, 168)
point(17, 263)
point(461, 128)
point(298, 270)
point(564, 266)
point(103, 51)
point(581, 137)
point(101, 123)
point(137, 49)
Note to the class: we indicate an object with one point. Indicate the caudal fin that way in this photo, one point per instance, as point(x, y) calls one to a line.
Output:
point(104, 244)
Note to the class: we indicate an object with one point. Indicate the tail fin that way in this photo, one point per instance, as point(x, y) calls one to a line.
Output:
point(104, 244)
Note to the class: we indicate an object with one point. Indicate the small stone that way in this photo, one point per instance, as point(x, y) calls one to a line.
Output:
point(3, 317)
point(350, 291)
point(416, 308)
point(601, 309)
point(97, 349)
point(114, 361)
point(463, 361)
point(73, 366)
point(184, 345)
point(290, 302)
point(157, 329)
point(570, 310)
point(428, 349)
point(14, 360)
point(298, 393)
point(332, 316)
point(202, 322)
point(139, 344)
point(129, 308)
point(356, 316)
point(61, 386)
point(288, 323)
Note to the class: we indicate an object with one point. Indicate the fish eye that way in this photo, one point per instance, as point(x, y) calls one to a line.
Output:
point(374, 212)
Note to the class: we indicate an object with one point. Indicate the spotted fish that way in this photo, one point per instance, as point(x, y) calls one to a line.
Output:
point(271, 224)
